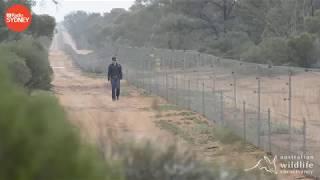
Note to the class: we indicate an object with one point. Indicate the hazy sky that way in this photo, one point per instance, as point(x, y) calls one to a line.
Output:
point(66, 6)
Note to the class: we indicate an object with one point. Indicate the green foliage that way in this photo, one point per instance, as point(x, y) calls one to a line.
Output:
point(42, 25)
point(19, 71)
point(36, 58)
point(174, 129)
point(313, 24)
point(232, 44)
point(303, 50)
point(228, 28)
point(37, 142)
point(272, 50)
point(145, 162)
point(252, 16)
point(225, 135)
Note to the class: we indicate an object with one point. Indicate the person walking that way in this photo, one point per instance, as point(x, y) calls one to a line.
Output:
point(115, 75)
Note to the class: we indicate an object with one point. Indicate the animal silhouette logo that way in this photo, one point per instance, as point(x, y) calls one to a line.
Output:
point(265, 164)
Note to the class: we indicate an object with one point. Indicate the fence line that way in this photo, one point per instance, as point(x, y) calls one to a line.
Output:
point(266, 105)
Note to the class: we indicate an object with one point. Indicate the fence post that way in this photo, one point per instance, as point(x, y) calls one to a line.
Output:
point(304, 136)
point(244, 122)
point(185, 95)
point(176, 89)
point(214, 82)
point(150, 82)
point(157, 84)
point(234, 89)
point(189, 95)
point(269, 130)
point(127, 75)
point(203, 102)
point(222, 108)
point(137, 78)
point(167, 90)
point(144, 75)
point(234, 95)
point(184, 61)
point(259, 111)
point(289, 109)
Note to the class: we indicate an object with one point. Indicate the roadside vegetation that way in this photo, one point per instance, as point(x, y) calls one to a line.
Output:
point(38, 142)
point(282, 32)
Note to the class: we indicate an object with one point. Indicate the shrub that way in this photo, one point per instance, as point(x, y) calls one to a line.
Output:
point(145, 162)
point(19, 71)
point(313, 23)
point(36, 58)
point(303, 50)
point(42, 25)
point(232, 44)
point(272, 51)
point(38, 143)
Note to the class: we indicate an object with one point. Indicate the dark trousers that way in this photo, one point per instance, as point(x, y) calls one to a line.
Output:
point(115, 83)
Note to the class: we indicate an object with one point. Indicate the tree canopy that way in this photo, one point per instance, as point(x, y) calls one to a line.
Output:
point(212, 26)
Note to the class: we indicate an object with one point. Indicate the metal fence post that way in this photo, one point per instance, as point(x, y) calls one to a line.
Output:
point(234, 89)
point(304, 137)
point(234, 95)
point(259, 111)
point(127, 75)
point(289, 109)
point(150, 82)
point(184, 61)
point(144, 74)
point(244, 122)
point(221, 108)
point(167, 88)
point(176, 88)
point(269, 130)
point(137, 79)
point(156, 81)
point(214, 82)
point(189, 95)
point(203, 102)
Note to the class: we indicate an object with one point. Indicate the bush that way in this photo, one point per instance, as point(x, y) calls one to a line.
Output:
point(313, 23)
point(146, 162)
point(273, 51)
point(232, 44)
point(303, 50)
point(19, 71)
point(38, 143)
point(36, 58)
point(42, 25)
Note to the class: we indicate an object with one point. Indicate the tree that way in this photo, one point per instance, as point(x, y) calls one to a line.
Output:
point(274, 51)
point(252, 15)
point(37, 142)
point(313, 24)
point(303, 50)
point(42, 25)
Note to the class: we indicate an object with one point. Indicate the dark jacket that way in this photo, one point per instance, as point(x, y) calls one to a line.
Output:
point(114, 71)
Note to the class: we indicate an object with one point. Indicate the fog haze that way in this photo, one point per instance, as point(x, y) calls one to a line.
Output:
point(66, 6)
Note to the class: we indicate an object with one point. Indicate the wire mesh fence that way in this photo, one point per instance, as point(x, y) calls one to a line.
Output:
point(274, 108)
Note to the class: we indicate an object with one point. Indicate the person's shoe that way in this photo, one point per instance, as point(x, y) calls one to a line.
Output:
point(118, 98)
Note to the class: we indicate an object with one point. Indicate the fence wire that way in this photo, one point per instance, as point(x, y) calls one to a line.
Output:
point(273, 107)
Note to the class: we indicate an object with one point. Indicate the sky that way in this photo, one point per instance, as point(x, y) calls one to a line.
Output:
point(67, 6)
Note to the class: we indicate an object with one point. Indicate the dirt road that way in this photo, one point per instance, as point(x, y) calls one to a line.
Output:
point(89, 105)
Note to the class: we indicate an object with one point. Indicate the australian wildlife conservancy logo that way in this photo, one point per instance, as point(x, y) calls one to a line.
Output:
point(18, 18)
point(285, 164)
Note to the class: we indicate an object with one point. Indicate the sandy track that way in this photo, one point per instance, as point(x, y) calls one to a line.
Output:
point(89, 106)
